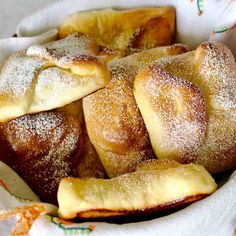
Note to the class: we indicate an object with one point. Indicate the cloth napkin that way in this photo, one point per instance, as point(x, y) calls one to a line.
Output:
point(197, 21)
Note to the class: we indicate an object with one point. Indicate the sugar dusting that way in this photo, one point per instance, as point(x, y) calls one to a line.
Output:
point(141, 190)
point(18, 74)
point(58, 163)
point(180, 112)
point(43, 144)
point(218, 67)
point(115, 123)
point(66, 51)
point(40, 125)
point(114, 107)
point(116, 112)
point(129, 66)
point(212, 70)
point(28, 72)
point(54, 83)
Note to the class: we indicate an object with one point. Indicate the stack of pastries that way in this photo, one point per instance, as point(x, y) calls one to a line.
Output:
point(113, 119)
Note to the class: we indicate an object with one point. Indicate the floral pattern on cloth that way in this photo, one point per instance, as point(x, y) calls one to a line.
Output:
point(227, 23)
point(70, 228)
point(222, 29)
point(26, 211)
point(200, 6)
point(26, 215)
point(225, 28)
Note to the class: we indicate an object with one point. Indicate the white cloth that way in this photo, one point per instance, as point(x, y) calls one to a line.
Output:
point(11, 45)
point(196, 21)
point(12, 11)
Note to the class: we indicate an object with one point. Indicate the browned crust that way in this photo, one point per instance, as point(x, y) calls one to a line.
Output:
point(79, 60)
point(35, 158)
point(160, 164)
point(93, 64)
point(104, 213)
point(155, 84)
point(219, 49)
point(176, 49)
point(100, 110)
point(151, 27)
point(156, 28)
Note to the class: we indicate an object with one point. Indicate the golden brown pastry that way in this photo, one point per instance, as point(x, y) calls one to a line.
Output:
point(122, 30)
point(42, 148)
point(115, 126)
point(157, 164)
point(107, 54)
point(188, 105)
point(88, 164)
point(141, 192)
point(129, 66)
point(45, 147)
point(50, 76)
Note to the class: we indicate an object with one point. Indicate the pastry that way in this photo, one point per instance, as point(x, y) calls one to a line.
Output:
point(39, 79)
point(158, 164)
point(42, 148)
point(117, 29)
point(88, 164)
point(107, 54)
point(115, 126)
point(188, 106)
point(139, 192)
point(45, 147)
point(139, 100)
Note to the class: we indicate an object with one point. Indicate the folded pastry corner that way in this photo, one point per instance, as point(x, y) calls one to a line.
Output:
point(42, 148)
point(144, 191)
point(45, 147)
point(114, 123)
point(49, 76)
point(188, 105)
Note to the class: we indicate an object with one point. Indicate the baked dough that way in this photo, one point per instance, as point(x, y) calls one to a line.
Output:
point(188, 105)
point(49, 76)
point(45, 147)
point(124, 29)
point(140, 192)
point(42, 148)
point(115, 126)
point(88, 164)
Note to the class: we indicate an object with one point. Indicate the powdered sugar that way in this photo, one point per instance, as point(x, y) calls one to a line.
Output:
point(179, 110)
point(113, 119)
point(66, 51)
point(53, 84)
point(58, 161)
point(119, 119)
point(28, 85)
point(129, 66)
point(212, 69)
point(18, 74)
point(219, 69)
point(43, 145)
